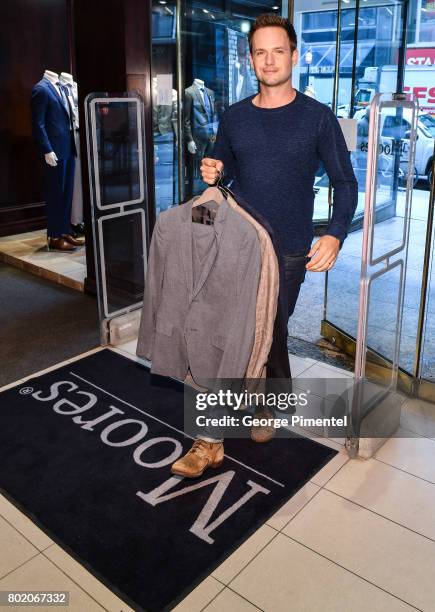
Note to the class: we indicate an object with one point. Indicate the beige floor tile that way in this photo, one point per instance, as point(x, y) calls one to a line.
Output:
point(59, 266)
point(241, 557)
point(411, 453)
point(130, 355)
point(24, 236)
point(68, 267)
point(331, 468)
point(323, 382)
point(16, 248)
point(293, 506)
point(390, 492)
point(387, 555)
point(15, 549)
point(78, 274)
point(230, 601)
point(128, 347)
point(39, 574)
point(23, 524)
point(299, 364)
point(330, 371)
point(42, 257)
point(287, 577)
point(85, 579)
point(419, 416)
point(200, 597)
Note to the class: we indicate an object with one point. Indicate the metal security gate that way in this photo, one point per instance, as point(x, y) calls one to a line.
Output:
point(116, 158)
point(375, 402)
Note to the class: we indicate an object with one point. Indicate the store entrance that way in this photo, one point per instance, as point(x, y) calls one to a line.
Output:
point(349, 52)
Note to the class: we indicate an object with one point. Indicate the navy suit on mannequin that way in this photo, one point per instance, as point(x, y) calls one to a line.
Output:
point(52, 130)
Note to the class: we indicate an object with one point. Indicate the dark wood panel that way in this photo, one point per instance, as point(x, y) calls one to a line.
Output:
point(33, 37)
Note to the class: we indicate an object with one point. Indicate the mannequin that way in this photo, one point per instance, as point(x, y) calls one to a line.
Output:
point(200, 125)
point(77, 201)
point(53, 77)
point(52, 126)
point(164, 115)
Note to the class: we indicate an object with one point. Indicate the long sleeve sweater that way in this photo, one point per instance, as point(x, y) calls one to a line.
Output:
point(272, 156)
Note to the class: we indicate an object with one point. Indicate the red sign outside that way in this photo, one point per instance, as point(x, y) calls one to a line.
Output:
point(417, 81)
point(420, 56)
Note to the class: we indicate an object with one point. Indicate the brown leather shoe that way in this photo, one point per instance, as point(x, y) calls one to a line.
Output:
point(201, 456)
point(60, 244)
point(263, 433)
point(74, 241)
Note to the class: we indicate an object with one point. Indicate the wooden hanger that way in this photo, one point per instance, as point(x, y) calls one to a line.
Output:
point(211, 193)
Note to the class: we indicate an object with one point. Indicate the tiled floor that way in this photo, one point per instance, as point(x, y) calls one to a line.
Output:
point(28, 251)
point(359, 536)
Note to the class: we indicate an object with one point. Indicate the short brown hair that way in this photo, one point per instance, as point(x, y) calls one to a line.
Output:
point(266, 20)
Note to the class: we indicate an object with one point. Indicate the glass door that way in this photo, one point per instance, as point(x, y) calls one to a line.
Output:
point(371, 63)
point(390, 58)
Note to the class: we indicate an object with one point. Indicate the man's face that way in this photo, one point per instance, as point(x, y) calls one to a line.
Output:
point(272, 57)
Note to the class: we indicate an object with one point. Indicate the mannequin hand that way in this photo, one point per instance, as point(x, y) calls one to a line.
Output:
point(324, 252)
point(210, 170)
point(51, 158)
point(191, 147)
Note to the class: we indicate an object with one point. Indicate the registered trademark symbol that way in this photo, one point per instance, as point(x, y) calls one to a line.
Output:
point(26, 390)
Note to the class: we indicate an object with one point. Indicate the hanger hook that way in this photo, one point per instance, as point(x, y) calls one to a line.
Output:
point(220, 178)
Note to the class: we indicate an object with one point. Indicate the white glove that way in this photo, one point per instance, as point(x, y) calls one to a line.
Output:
point(191, 147)
point(51, 158)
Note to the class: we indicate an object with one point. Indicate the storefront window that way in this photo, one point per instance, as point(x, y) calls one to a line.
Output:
point(164, 93)
point(216, 73)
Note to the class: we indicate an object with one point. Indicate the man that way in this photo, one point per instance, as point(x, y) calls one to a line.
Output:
point(272, 144)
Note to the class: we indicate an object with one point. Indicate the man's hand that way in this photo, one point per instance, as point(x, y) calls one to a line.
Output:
point(324, 252)
point(210, 169)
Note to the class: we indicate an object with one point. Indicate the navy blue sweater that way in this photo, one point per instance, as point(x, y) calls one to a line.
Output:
point(272, 155)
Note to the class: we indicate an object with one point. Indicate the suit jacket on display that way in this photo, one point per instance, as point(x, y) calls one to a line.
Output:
point(51, 124)
point(207, 323)
point(198, 125)
point(267, 298)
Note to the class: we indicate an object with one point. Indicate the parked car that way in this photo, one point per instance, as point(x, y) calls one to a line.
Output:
point(394, 128)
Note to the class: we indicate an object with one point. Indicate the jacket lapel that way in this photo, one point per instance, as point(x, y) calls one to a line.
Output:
point(54, 91)
point(199, 98)
point(186, 246)
point(219, 226)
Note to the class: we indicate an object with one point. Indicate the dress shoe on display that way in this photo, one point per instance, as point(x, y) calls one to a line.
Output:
point(79, 229)
point(201, 456)
point(60, 244)
point(74, 241)
point(263, 433)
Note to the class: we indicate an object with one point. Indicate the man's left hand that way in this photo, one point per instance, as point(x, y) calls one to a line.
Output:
point(324, 252)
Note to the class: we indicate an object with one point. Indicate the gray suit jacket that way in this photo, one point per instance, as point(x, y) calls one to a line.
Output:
point(208, 327)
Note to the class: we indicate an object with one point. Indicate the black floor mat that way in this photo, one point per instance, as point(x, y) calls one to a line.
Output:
point(85, 452)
